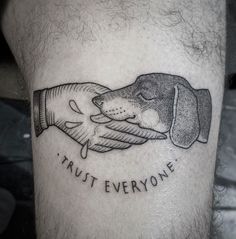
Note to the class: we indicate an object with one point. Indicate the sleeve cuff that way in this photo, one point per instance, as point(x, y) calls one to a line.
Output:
point(39, 111)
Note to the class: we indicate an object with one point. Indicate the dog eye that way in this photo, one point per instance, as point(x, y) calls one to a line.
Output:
point(142, 97)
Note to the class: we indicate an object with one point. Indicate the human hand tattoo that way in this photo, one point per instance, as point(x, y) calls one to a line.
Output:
point(70, 108)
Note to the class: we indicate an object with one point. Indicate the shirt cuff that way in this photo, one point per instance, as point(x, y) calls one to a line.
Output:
point(39, 110)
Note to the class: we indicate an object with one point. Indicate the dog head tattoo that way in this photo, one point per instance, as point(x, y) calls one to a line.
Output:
point(164, 103)
point(154, 106)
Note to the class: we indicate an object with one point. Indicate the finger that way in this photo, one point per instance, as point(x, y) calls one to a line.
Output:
point(135, 130)
point(96, 88)
point(124, 137)
point(115, 144)
point(100, 148)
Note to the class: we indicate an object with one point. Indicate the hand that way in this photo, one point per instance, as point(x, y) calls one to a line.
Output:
point(70, 108)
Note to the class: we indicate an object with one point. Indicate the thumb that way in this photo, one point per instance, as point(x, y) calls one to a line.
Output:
point(98, 89)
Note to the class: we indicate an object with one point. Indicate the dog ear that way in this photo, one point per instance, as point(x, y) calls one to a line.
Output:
point(185, 126)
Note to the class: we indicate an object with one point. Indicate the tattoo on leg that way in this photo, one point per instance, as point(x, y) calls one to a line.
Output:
point(154, 107)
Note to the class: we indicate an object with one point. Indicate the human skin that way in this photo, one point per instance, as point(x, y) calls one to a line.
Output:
point(111, 43)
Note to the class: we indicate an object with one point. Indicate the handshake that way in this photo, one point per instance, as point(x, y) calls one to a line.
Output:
point(71, 109)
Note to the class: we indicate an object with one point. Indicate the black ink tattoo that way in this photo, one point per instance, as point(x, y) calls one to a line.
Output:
point(137, 185)
point(84, 177)
point(129, 186)
point(154, 106)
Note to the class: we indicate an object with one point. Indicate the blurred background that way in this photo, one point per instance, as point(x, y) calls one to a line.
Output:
point(16, 176)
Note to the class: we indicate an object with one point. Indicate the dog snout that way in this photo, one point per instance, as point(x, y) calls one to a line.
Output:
point(98, 101)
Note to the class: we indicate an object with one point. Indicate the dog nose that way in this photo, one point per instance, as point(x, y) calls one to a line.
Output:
point(98, 101)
